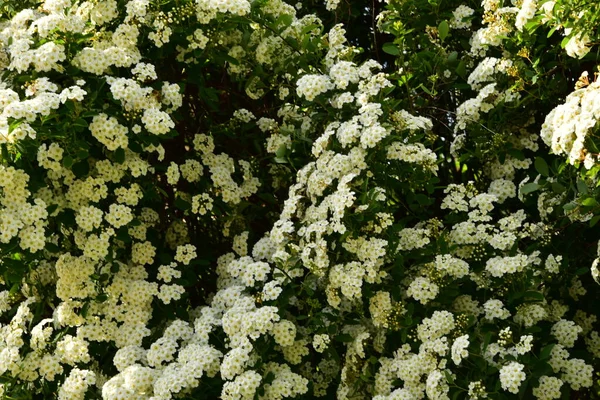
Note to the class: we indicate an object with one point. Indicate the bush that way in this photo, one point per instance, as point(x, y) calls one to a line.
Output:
point(256, 200)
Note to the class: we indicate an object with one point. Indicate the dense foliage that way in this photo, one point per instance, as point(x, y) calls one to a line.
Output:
point(244, 199)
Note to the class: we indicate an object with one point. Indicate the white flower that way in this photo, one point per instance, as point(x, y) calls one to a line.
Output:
point(310, 86)
point(422, 290)
point(459, 349)
point(577, 46)
point(566, 332)
point(511, 376)
point(495, 309)
point(548, 389)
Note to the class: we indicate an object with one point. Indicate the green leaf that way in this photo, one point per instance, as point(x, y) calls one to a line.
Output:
point(52, 248)
point(81, 169)
point(83, 154)
point(461, 70)
point(518, 154)
point(182, 204)
point(589, 202)
point(452, 58)
point(67, 161)
point(449, 377)
point(123, 235)
point(102, 297)
point(532, 294)
point(594, 220)
point(391, 48)
point(443, 30)
point(280, 153)
point(119, 155)
point(558, 188)
point(541, 166)
point(85, 309)
point(80, 122)
point(486, 340)
point(582, 186)
point(344, 337)
point(546, 350)
point(582, 271)
point(529, 188)
point(135, 222)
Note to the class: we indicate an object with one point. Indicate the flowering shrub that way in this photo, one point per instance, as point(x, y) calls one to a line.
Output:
point(259, 200)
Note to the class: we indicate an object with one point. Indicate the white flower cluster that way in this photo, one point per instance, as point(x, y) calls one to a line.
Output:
point(460, 17)
point(578, 46)
point(567, 127)
point(526, 12)
point(413, 238)
point(459, 349)
point(109, 132)
point(495, 309)
point(511, 376)
point(566, 332)
point(548, 389)
point(18, 217)
point(114, 236)
point(310, 86)
point(499, 266)
point(488, 97)
point(221, 167)
point(413, 153)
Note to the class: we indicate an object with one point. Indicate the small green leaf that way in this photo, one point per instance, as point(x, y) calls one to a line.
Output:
point(452, 58)
point(83, 154)
point(102, 297)
point(449, 377)
point(51, 208)
point(541, 166)
point(344, 337)
point(594, 220)
point(532, 294)
point(582, 271)
point(529, 188)
point(280, 153)
point(182, 204)
point(119, 155)
point(461, 70)
point(589, 202)
point(85, 309)
point(123, 235)
point(518, 154)
point(135, 222)
point(80, 122)
point(582, 186)
point(443, 30)
point(67, 161)
point(558, 188)
point(546, 350)
point(81, 169)
point(52, 248)
point(391, 48)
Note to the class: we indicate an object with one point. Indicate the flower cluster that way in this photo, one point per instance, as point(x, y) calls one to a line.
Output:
point(230, 199)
